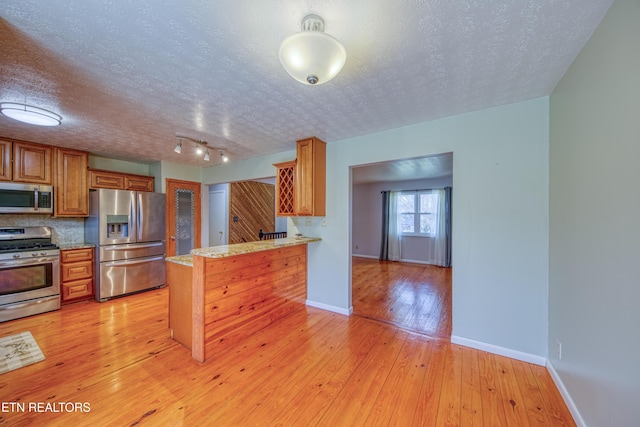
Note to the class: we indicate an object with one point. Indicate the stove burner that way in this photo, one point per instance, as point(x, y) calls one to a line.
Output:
point(25, 239)
point(16, 247)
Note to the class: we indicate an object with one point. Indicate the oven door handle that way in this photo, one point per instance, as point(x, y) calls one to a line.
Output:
point(27, 261)
point(29, 303)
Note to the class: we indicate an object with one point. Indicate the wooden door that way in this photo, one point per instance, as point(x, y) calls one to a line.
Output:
point(251, 209)
point(183, 216)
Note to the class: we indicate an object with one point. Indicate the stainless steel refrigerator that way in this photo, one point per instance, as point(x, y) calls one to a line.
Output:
point(128, 230)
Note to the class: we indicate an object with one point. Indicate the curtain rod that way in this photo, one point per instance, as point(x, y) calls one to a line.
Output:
point(423, 189)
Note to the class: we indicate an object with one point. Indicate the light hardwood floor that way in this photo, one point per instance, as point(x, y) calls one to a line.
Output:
point(312, 367)
point(411, 296)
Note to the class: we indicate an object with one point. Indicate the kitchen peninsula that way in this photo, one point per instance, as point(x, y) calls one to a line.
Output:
point(222, 294)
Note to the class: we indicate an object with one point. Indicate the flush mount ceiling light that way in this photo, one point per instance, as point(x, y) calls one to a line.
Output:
point(201, 147)
point(30, 114)
point(312, 56)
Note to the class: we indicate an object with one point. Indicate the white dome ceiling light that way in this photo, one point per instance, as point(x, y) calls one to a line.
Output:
point(312, 56)
point(30, 114)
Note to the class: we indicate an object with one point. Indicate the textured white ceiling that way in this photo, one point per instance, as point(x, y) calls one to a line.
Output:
point(128, 75)
point(405, 170)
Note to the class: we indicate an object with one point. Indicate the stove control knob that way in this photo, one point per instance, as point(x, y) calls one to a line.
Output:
point(43, 253)
point(34, 253)
point(16, 256)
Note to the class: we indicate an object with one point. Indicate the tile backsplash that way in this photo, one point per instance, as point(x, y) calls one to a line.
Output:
point(66, 231)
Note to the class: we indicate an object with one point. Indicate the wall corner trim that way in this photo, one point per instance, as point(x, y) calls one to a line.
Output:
point(339, 310)
point(502, 351)
point(577, 418)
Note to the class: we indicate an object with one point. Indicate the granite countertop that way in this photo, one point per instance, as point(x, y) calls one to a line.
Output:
point(68, 246)
point(241, 248)
point(181, 259)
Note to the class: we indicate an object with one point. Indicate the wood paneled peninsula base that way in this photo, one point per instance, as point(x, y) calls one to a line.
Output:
point(222, 294)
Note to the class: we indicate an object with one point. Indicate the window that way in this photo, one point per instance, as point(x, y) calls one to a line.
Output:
point(416, 212)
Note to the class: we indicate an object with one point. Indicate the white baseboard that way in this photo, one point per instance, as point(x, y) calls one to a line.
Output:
point(577, 418)
point(417, 261)
point(328, 307)
point(502, 351)
point(365, 256)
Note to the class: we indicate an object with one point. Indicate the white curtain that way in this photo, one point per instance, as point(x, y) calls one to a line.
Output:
point(394, 236)
point(439, 237)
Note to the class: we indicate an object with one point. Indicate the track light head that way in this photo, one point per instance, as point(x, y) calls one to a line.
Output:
point(178, 148)
point(206, 156)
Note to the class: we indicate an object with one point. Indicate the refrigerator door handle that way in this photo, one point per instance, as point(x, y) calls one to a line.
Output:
point(133, 220)
point(139, 215)
point(131, 262)
point(127, 247)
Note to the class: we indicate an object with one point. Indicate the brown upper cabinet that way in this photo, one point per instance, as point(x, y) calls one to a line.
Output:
point(120, 181)
point(311, 177)
point(31, 162)
point(285, 194)
point(138, 183)
point(71, 189)
point(301, 184)
point(6, 171)
point(106, 179)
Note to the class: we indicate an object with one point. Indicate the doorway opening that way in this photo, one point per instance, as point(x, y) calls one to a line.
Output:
point(410, 293)
point(240, 210)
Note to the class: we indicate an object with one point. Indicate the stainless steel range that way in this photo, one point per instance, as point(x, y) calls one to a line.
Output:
point(29, 272)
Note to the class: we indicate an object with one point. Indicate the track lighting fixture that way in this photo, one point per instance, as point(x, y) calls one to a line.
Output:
point(202, 147)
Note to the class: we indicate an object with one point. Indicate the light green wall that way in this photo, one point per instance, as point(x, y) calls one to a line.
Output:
point(254, 168)
point(594, 246)
point(500, 227)
point(96, 162)
point(163, 170)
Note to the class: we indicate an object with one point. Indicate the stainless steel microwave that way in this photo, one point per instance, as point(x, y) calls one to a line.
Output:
point(26, 198)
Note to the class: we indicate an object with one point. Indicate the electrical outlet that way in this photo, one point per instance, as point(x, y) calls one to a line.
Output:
point(324, 222)
point(309, 221)
point(356, 247)
point(559, 349)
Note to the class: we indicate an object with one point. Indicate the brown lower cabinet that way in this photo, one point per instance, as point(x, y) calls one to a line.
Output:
point(76, 274)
